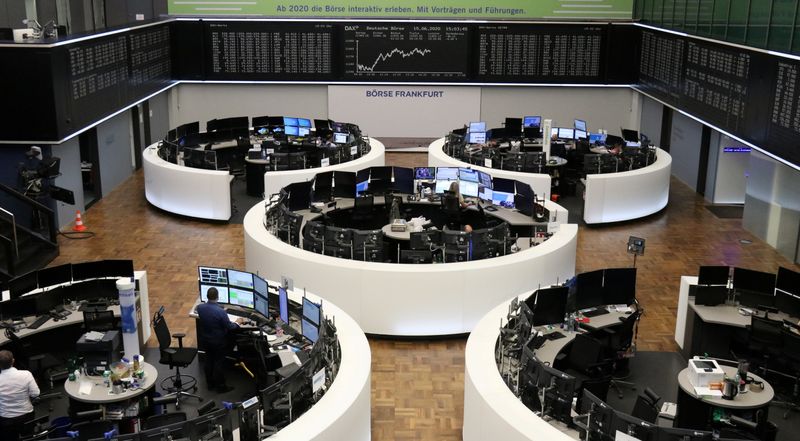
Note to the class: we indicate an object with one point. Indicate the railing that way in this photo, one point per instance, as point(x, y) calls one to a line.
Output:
point(14, 241)
point(7, 247)
point(41, 213)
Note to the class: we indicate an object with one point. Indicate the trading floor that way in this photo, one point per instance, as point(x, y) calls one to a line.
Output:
point(417, 385)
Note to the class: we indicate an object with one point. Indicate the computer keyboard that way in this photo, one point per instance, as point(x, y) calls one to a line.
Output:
point(42, 319)
point(555, 335)
point(595, 312)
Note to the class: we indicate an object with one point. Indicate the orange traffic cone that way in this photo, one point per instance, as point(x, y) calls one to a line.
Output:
point(79, 226)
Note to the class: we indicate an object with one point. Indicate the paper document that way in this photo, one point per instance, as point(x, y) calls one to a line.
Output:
point(706, 392)
point(94, 336)
point(85, 388)
point(623, 308)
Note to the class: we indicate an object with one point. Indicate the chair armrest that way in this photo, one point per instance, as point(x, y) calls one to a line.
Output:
point(179, 336)
point(561, 357)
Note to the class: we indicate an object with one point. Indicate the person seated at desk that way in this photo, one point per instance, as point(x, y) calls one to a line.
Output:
point(16, 390)
point(213, 334)
point(455, 190)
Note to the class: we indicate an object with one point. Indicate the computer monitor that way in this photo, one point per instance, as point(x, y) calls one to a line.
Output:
point(425, 173)
point(597, 138)
point(116, 268)
point(503, 185)
point(240, 279)
point(485, 194)
point(786, 303)
point(565, 133)
point(442, 186)
point(477, 138)
point(713, 275)
point(304, 122)
point(479, 126)
point(291, 130)
point(310, 330)
point(710, 295)
point(614, 140)
point(416, 256)
point(601, 415)
point(361, 187)
point(580, 134)
point(554, 131)
point(322, 124)
point(447, 173)
point(468, 189)
point(210, 425)
point(18, 308)
point(630, 135)
point(503, 199)
point(551, 306)
point(403, 180)
point(217, 276)
point(47, 301)
point(756, 281)
point(467, 174)
point(261, 304)
point(340, 138)
point(241, 297)
point(485, 179)
point(23, 284)
point(86, 270)
point(423, 240)
point(344, 184)
point(787, 281)
point(513, 126)
point(532, 121)
point(221, 290)
point(299, 195)
point(619, 286)
point(589, 290)
point(283, 304)
point(634, 427)
point(580, 125)
point(323, 186)
point(287, 121)
point(302, 132)
point(524, 189)
point(311, 311)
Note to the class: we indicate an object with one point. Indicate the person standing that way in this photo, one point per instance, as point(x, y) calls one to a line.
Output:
point(213, 337)
point(17, 388)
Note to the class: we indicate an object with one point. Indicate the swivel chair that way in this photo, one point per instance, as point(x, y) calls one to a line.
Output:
point(280, 161)
point(791, 352)
point(181, 357)
point(587, 363)
point(646, 406)
point(621, 346)
point(164, 419)
point(764, 341)
point(451, 207)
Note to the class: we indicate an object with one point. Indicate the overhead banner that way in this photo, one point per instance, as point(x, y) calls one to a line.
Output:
point(463, 9)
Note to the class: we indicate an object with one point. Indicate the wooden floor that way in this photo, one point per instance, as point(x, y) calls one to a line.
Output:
point(417, 385)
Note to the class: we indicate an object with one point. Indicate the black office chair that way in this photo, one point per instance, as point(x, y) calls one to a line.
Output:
point(764, 341)
point(100, 321)
point(620, 344)
point(165, 419)
point(451, 208)
point(177, 385)
point(362, 209)
point(585, 361)
point(646, 406)
point(791, 364)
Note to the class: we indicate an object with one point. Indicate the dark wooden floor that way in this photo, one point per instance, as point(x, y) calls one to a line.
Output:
point(417, 386)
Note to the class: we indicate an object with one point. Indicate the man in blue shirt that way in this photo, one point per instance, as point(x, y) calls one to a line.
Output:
point(213, 337)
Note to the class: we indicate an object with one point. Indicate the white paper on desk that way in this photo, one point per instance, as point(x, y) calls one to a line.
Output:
point(85, 388)
point(623, 308)
point(706, 392)
point(621, 436)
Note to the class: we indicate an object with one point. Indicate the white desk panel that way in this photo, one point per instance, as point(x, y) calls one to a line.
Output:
point(615, 197)
point(539, 182)
point(406, 299)
point(275, 180)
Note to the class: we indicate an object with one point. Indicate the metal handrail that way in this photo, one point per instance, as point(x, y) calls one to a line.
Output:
point(13, 230)
point(51, 216)
point(5, 243)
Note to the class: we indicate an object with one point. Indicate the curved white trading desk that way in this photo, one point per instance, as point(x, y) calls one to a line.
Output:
point(344, 411)
point(206, 194)
point(275, 180)
point(407, 299)
point(614, 197)
point(491, 411)
point(539, 182)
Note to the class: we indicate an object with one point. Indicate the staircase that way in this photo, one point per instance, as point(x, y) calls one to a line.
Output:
point(24, 248)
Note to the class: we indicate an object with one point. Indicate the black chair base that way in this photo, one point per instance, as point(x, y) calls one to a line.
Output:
point(178, 386)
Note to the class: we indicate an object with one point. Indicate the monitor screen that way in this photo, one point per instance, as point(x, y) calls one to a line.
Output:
point(241, 297)
point(532, 121)
point(116, 268)
point(222, 290)
point(291, 130)
point(468, 189)
point(503, 185)
point(240, 279)
point(713, 275)
point(442, 186)
point(787, 281)
point(589, 290)
point(261, 304)
point(310, 331)
point(302, 131)
point(283, 304)
point(551, 306)
point(289, 121)
point(479, 126)
point(467, 174)
point(580, 125)
point(597, 138)
point(403, 180)
point(630, 135)
point(619, 286)
point(86, 270)
point(311, 311)
point(485, 193)
point(554, 131)
point(477, 138)
point(757, 281)
point(23, 284)
point(344, 184)
point(55, 275)
point(213, 275)
point(445, 173)
point(362, 187)
point(425, 173)
point(485, 179)
point(304, 122)
point(524, 190)
point(340, 138)
point(565, 133)
point(580, 134)
point(504, 199)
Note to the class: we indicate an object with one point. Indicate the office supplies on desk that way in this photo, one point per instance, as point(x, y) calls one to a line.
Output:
point(555, 335)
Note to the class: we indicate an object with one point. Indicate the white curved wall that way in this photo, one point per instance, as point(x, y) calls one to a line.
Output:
point(344, 410)
point(614, 197)
point(539, 182)
point(275, 180)
point(406, 299)
point(195, 192)
point(491, 411)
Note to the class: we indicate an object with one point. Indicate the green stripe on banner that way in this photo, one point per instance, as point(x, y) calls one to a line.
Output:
point(464, 9)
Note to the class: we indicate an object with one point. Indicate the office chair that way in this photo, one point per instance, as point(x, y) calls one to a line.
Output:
point(297, 160)
point(165, 419)
point(764, 341)
point(176, 358)
point(621, 346)
point(585, 359)
point(362, 209)
point(280, 161)
point(646, 406)
point(451, 207)
point(100, 321)
point(791, 351)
